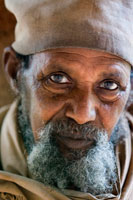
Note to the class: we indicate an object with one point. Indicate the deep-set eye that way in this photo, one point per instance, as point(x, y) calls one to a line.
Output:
point(59, 78)
point(109, 85)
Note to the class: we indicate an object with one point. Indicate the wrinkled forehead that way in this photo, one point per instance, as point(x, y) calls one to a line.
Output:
point(77, 54)
point(79, 59)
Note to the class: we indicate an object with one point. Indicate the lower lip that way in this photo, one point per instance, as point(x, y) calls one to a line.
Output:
point(75, 143)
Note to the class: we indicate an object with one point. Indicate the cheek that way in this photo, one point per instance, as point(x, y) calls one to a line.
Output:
point(110, 113)
point(43, 108)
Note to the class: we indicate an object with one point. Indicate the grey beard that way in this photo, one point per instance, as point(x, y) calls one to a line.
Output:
point(95, 172)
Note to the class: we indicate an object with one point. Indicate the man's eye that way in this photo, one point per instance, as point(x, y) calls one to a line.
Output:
point(109, 85)
point(58, 78)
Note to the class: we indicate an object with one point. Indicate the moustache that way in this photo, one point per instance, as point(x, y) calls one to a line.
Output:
point(69, 128)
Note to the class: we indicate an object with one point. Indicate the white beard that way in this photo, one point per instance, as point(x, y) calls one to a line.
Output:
point(94, 173)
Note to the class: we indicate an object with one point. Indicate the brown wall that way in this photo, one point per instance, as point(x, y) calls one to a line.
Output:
point(7, 23)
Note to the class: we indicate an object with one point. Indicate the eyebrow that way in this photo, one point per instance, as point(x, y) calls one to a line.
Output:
point(50, 68)
point(112, 75)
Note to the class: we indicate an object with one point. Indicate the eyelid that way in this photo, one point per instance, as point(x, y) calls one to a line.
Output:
point(64, 77)
point(116, 86)
point(110, 80)
point(59, 73)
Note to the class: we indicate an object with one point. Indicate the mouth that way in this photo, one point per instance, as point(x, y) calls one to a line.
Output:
point(76, 144)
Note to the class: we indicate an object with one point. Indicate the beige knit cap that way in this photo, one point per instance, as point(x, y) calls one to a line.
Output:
point(105, 25)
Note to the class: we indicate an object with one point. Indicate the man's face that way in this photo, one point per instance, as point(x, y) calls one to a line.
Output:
point(82, 85)
point(78, 96)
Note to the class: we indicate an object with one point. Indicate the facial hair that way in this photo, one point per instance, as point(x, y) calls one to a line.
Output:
point(94, 172)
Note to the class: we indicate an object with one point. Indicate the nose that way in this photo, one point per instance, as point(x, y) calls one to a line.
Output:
point(82, 109)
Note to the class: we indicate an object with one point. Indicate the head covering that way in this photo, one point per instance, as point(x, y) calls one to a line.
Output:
point(105, 25)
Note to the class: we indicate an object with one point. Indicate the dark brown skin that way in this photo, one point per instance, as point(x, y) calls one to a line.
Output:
point(82, 93)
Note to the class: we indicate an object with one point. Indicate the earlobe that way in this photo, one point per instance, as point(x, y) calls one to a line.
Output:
point(12, 67)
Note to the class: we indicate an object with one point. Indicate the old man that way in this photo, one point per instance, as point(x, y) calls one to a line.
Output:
point(68, 134)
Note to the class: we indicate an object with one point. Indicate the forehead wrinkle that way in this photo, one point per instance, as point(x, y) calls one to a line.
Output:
point(68, 66)
point(87, 55)
point(76, 60)
point(83, 51)
point(61, 63)
point(95, 61)
point(90, 57)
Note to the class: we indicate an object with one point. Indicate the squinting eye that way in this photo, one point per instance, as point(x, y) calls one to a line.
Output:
point(109, 85)
point(58, 78)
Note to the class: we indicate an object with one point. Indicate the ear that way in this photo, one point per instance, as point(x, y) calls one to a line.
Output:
point(12, 67)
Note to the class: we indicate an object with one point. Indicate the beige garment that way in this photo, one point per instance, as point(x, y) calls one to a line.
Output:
point(105, 25)
point(14, 178)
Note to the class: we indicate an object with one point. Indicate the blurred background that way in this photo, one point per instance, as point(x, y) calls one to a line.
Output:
point(7, 23)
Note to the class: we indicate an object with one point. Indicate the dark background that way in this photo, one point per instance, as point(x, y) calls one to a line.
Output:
point(7, 23)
